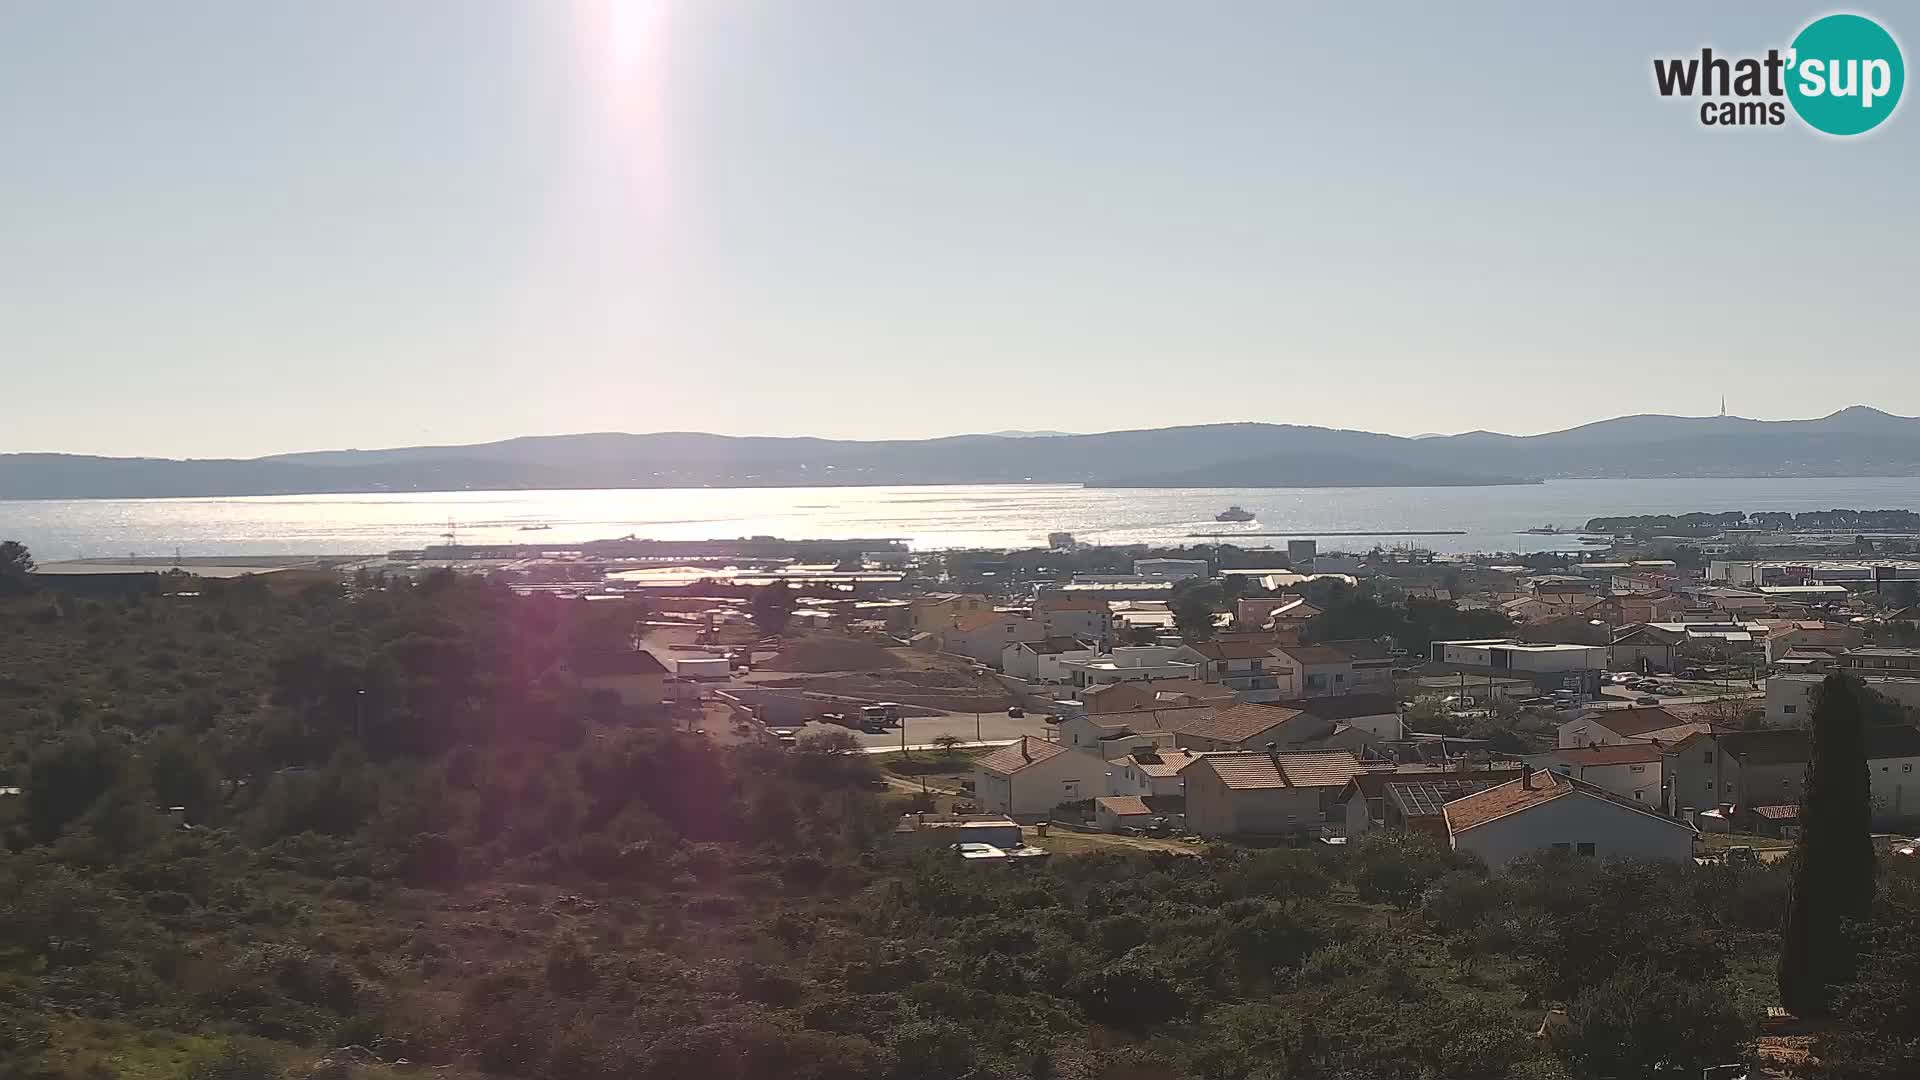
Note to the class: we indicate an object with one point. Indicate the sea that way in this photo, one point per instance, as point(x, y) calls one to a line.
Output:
point(1484, 519)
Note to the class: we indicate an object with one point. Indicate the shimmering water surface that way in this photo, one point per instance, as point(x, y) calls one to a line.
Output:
point(928, 517)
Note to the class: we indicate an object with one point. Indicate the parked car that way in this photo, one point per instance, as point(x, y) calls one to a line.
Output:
point(1646, 699)
point(1016, 711)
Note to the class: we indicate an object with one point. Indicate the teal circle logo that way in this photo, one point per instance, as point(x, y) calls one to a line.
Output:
point(1845, 74)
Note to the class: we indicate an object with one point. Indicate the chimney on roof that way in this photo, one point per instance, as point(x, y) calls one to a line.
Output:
point(1273, 751)
point(1526, 776)
point(1025, 754)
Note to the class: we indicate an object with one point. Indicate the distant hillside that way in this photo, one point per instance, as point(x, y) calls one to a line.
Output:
point(1853, 442)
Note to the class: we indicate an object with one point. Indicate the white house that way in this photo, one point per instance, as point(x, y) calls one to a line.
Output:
point(1171, 569)
point(985, 635)
point(1614, 726)
point(1158, 771)
point(1112, 735)
point(1131, 663)
point(1543, 812)
point(1314, 670)
point(1548, 666)
point(1629, 770)
point(1075, 615)
point(1032, 776)
point(1039, 661)
point(1113, 813)
point(1245, 667)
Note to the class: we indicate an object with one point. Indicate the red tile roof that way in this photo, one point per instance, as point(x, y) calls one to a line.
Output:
point(1616, 754)
point(1234, 723)
point(1514, 796)
point(1627, 723)
point(1779, 811)
point(1233, 650)
point(1316, 654)
point(1507, 798)
point(1123, 805)
point(1143, 721)
point(1254, 769)
point(1065, 601)
point(1008, 760)
point(968, 621)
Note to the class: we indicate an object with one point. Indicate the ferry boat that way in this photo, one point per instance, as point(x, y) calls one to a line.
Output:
point(1234, 513)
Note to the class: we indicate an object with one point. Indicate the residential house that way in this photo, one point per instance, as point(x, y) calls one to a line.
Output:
point(1292, 618)
point(1157, 694)
point(1363, 804)
point(1316, 670)
point(1243, 666)
point(1645, 647)
point(1370, 667)
point(1525, 609)
point(1746, 769)
point(1039, 661)
point(985, 635)
point(1419, 805)
point(1549, 666)
point(1263, 613)
point(1734, 601)
point(1645, 602)
point(1376, 714)
point(1131, 663)
point(1132, 617)
point(1032, 776)
point(1247, 726)
point(933, 613)
point(1114, 735)
point(1893, 673)
point(1630, 770)
point(1638, 725)
point(1114, 813)
point(1543, 812)
point(1256, 793)
point(1160, 771)
point(1171, 569)
point(1580, 628)
point(635, 674)
point(1567, 589)
point(1076, 615)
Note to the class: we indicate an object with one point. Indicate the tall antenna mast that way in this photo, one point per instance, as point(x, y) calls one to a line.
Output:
point(1723, 405)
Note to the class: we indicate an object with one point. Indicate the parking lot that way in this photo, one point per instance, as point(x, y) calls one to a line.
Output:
point(967, 727)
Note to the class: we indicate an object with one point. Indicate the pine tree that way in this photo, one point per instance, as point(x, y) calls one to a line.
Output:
point(1833, 859)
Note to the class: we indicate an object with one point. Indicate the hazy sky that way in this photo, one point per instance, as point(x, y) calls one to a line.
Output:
point(230, 227)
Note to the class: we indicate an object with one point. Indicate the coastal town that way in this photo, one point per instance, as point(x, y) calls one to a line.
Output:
point(1271, 693)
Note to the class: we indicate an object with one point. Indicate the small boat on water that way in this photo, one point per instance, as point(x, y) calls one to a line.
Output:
point(1543, 530)
point(535, 528)
point(1234, 513)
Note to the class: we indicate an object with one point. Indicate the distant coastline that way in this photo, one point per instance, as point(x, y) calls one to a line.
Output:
point(1855, 442)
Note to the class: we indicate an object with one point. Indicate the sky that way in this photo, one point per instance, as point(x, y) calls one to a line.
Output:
point(230, 228)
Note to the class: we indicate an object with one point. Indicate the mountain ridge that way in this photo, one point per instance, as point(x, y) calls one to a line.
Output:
point(1855, 441)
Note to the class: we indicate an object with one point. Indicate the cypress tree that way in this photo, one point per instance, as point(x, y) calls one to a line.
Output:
point(1833, 857)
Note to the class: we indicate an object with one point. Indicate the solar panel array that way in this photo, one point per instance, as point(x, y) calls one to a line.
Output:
point(1425, 799)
